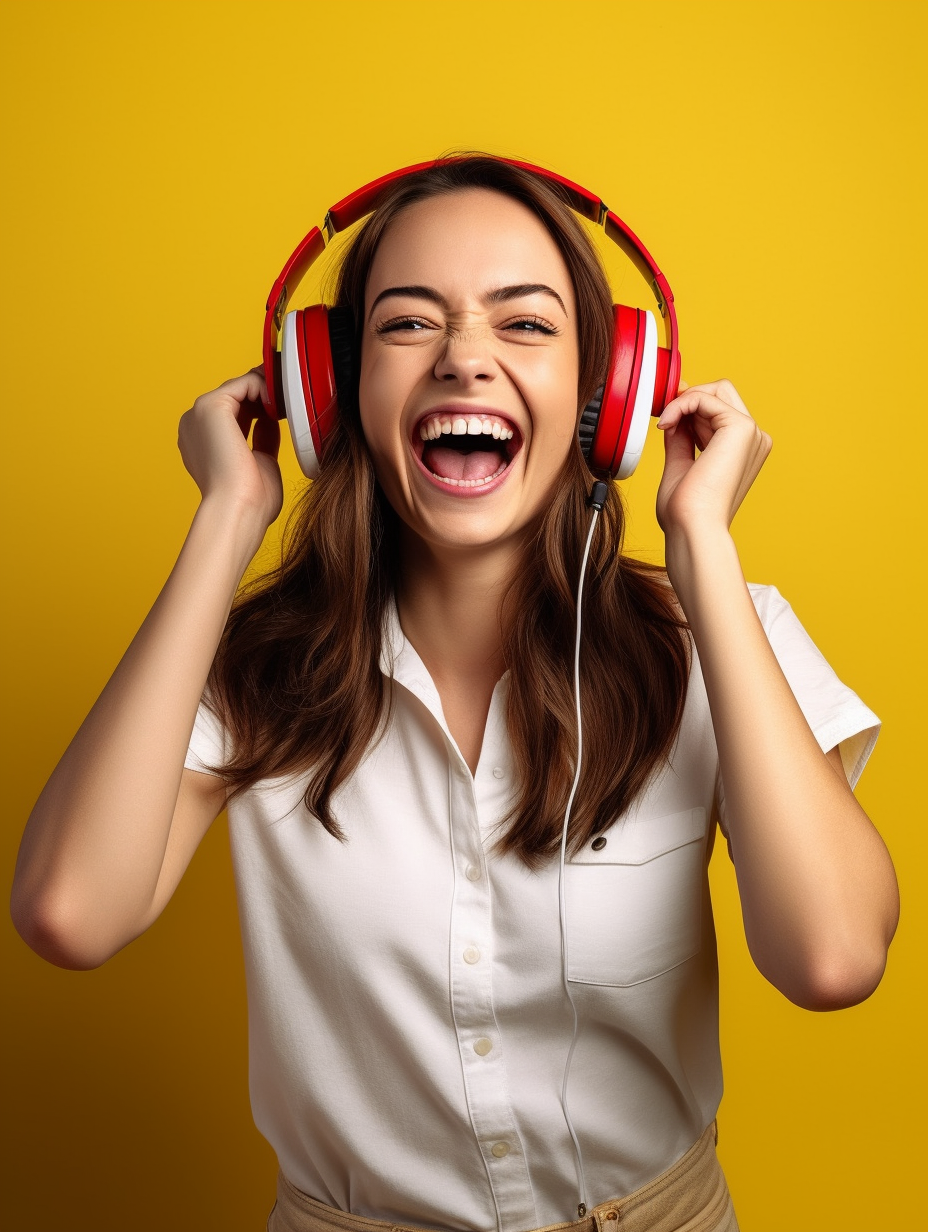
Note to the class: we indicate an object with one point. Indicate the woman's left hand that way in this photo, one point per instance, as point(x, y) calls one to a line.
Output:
point(705, 491)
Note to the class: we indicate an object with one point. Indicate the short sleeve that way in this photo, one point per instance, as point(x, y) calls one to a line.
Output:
point(836, 715)
point(207, 748)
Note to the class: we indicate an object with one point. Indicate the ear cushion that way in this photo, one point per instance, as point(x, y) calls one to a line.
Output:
point(614, 424)
point(343, 347)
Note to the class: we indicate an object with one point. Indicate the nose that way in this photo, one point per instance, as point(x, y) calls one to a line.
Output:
point(466, 358)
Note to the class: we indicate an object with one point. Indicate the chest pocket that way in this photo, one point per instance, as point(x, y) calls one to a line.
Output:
point(634, 907)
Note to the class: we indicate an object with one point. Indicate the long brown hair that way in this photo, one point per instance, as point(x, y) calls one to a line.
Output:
point(297, 681)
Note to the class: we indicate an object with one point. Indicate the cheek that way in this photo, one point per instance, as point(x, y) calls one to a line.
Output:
point(556, 420)
point(376, 398)
point(387, 380)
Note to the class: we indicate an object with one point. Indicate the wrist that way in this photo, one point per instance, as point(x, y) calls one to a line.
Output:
point(235, 528)
point(696, 556)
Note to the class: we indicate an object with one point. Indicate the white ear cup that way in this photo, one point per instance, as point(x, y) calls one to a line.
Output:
point(644, 398)
point(295, 400)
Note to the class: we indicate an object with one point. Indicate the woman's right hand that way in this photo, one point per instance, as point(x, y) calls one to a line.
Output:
point(213, 442)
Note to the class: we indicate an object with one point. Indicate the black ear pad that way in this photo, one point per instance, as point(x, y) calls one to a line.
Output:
point(343, 346)
point(586, 428)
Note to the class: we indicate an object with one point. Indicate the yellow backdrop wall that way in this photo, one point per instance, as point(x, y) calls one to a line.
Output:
point(162, 160)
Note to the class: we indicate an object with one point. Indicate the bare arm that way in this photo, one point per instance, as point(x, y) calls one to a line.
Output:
point(818, 891)
point(120, 818)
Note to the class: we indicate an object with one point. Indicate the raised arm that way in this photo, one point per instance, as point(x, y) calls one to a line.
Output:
point(818, 891)
point(120, 818)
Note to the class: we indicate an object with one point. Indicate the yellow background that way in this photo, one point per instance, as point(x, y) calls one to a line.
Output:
point(162, 159)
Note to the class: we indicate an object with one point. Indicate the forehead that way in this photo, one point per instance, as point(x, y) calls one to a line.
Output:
point(468, 242)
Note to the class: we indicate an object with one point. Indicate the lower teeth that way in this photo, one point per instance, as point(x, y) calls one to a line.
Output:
point(471, 483)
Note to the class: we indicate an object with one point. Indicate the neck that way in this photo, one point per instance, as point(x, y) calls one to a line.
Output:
point(449, 608)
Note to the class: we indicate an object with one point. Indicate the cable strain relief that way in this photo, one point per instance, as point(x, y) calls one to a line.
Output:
point(598, 495)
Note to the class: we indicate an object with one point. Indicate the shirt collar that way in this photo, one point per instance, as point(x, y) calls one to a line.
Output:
point(400, 661)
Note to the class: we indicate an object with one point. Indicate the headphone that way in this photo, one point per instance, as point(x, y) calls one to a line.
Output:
point(309, 354)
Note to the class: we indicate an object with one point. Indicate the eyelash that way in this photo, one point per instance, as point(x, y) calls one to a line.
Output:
point(538, 325)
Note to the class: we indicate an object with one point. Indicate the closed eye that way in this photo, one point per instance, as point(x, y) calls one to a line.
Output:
point(412, 324)
point(531, 325)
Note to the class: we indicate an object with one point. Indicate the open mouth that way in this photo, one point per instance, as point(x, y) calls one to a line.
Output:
point(463, 450)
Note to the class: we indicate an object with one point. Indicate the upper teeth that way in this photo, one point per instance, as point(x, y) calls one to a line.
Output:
point(464, 425)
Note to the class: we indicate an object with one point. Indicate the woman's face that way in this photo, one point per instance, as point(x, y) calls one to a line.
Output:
point(469, 368)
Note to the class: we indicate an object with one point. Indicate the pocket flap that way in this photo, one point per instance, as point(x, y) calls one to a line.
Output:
point(636, 840)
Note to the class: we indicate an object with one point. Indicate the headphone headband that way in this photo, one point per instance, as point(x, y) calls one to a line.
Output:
point(365, 200)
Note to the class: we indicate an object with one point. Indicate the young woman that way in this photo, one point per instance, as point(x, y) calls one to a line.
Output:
point(450, 1026)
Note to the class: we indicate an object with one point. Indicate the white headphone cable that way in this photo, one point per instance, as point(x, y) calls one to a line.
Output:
point(596, 500)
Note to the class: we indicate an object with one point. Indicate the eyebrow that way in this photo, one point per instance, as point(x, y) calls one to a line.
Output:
point(498, 296)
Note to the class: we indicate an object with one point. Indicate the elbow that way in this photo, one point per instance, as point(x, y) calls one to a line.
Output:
point(836, 983)
point(53, 933)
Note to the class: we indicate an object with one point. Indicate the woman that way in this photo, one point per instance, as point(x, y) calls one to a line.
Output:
point(435, 1040)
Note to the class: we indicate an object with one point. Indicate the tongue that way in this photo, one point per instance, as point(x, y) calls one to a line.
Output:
point(452, 464)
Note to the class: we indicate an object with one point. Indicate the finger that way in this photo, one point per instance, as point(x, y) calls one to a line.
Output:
point(723, 390)
point(679, 453)
point(266, 438)
point(700, 402)
point(246, 415)
point(692, 401)
point(249, 388)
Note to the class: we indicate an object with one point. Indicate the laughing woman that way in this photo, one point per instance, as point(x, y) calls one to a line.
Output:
point(482, 995)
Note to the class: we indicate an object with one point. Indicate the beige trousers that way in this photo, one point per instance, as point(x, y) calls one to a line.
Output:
point(692, 1196)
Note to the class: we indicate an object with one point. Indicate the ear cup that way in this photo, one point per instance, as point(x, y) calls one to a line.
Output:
point(669, 368)
point(297, 398)
point(640, 415)
point(308, 372)
point(614, 424)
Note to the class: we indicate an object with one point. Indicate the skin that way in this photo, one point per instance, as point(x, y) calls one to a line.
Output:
point(817, 887)
point(458, 552)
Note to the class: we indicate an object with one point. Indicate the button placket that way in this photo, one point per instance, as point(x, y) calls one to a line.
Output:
point(482, 1056)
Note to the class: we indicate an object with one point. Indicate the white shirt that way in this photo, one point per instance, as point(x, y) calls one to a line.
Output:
point(408, 1023)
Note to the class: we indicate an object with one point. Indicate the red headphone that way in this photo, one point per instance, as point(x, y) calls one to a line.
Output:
point(309, 353)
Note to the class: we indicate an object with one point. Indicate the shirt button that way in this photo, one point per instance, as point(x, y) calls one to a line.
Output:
point(482, 1047)
point(472, 872)
point(500, 1149)
point(471, 954)
point(499, 772)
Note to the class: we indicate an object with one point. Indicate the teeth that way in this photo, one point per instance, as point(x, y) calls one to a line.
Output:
point(470, 483)
point(470, 425)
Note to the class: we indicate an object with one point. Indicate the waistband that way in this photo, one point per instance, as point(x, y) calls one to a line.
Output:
point(691, 1196)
